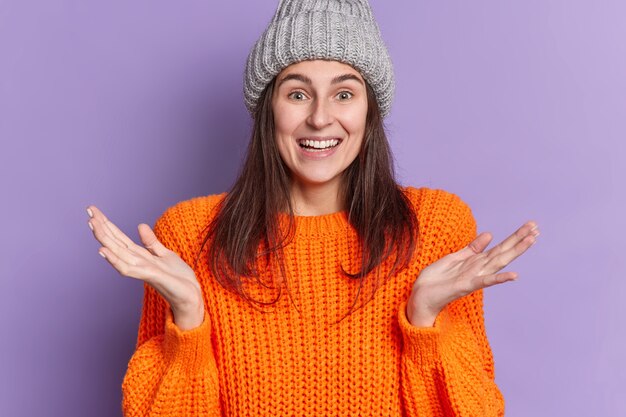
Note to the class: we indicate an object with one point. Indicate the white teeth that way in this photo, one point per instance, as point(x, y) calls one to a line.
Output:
point(319, 144)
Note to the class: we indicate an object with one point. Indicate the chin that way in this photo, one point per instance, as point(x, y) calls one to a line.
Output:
point(317, 180)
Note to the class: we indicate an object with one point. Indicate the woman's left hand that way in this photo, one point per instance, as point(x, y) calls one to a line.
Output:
point(460, 273)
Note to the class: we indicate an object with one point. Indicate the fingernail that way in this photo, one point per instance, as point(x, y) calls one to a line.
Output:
point(90, 226)
point(102, 254)
point(89, 212)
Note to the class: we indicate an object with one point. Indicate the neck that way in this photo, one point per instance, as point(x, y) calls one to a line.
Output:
point(316, 199)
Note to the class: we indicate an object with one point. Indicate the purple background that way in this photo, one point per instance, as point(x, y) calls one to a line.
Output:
point(519, 107)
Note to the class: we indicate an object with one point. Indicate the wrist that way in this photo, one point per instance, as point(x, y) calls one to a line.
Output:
point(189, 315)
point(418, 314)
point(418, 319)
point(189, 318)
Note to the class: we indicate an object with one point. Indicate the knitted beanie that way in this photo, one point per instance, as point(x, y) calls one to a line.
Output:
point(340, 30)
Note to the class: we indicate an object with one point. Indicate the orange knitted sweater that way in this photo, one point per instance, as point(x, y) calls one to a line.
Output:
point(293, 358)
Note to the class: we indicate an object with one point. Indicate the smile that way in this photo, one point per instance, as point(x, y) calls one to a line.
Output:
point(314, 145)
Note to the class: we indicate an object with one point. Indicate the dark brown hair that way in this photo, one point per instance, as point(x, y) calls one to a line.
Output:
point(246, 232)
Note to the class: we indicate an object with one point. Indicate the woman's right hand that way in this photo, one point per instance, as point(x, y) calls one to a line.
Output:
point(154, 264)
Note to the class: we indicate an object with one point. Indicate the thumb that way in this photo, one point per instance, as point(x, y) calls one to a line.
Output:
point(150, 241)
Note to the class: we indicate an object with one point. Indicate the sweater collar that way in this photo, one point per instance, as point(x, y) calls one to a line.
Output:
point(317, 226)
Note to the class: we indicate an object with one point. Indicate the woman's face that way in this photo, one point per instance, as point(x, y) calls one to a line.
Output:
point(320, 108)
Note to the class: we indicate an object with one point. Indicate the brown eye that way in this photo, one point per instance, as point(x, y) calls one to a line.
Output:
point(344, 95)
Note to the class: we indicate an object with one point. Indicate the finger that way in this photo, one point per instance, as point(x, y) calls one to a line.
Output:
point(104, 235)
point(121, 265)
point(475, 246)
point(132, 246)
point(127, 253)
point(493, 279)
point(95, 213)
point(528, 228)
point(114, 230)
point(116, 234)
point(150, 241)
point(98, 224)
point(501, 260)
point(130, 255)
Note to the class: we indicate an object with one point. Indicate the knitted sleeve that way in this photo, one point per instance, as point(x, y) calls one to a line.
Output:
point(172, 372)
point(448, 369)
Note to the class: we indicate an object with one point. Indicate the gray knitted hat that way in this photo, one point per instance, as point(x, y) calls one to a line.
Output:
point(340, 30)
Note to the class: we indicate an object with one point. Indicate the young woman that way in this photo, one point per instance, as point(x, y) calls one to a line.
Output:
point(317, 285)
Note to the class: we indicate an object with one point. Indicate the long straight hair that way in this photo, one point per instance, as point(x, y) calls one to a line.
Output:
point(246, 228)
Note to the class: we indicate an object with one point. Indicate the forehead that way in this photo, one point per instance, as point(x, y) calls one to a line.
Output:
point(319, 70)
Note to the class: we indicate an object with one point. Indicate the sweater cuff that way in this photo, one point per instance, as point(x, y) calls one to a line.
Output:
point(422, 344)
point(191, 350)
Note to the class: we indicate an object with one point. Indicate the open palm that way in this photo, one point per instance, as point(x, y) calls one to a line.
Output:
point(466, 271)
point(153, 263)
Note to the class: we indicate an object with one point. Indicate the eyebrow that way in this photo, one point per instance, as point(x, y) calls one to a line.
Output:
point(338, 79)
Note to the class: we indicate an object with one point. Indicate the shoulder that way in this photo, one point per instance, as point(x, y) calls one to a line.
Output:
point(442, 216)
point(183, 224)
point(431, 202)
point(198, 208)
point(194, 210)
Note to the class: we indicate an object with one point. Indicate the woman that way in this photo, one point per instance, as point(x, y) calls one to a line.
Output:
point(319, 286)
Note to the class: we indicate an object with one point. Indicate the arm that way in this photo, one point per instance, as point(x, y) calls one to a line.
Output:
point(172, 372)
point(448, 369)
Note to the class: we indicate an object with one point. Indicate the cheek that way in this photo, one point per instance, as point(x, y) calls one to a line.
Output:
point(355, 118)
point(283, 149)
point(357, 131)
point(285, 119)
point(283, 130)
point(355, 122)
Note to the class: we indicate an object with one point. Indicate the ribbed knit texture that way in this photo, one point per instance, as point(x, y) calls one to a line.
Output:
point(284, 362)
point(340, 30)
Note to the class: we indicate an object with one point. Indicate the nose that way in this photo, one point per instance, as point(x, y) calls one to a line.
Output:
point(321, 114)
